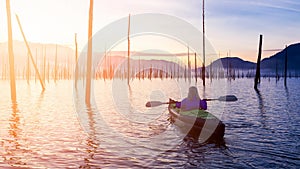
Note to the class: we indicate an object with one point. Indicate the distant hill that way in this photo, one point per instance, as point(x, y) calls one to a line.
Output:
point(267, 63)
point(38, 51)
point(66, 54)
point(233, 62)
point(153, 63)
point(278, 59)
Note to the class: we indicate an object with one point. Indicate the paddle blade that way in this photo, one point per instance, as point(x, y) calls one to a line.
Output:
point(154, 103)
point(228, 98)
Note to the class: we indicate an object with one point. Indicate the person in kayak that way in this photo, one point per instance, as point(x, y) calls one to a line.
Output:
point(192, 101)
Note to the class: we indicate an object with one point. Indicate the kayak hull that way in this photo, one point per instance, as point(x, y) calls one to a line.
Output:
point(198, 124)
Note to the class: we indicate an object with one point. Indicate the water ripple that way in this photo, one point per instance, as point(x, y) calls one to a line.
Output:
point(43, 129)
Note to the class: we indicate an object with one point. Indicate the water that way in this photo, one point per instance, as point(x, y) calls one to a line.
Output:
point(55, 129)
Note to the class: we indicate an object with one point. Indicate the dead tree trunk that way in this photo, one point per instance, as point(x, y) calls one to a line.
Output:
point(89, 56)
point(30, 54)
point(257, 76)
point(285, 65)
point(11, 55)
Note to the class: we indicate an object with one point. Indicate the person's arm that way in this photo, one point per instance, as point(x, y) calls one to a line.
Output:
point(203, 104)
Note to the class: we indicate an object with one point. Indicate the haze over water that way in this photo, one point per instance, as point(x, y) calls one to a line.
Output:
point(45, 129)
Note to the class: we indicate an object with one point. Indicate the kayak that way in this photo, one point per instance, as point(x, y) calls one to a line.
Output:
point(198, 123)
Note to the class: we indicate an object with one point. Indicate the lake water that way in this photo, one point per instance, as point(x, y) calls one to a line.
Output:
point(55, 128)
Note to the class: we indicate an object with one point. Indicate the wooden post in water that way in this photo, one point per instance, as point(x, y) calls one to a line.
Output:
point(13, 92)
point(30, 54)
point(3, 66)
point(76, 54)
point(89, 56)
point(44, 67)
point(48, 71)
point(174, 70)
point(150, 72)
point(257, 76)
point(55, 64)
point(195, 67)
point(68, 67)
point(110, 66)
point(35, 75)
point(189, 66)
point(210, 72)
point(139, 68)
point(128, 51)
point(178, 75)
point(184, 72)
point(105, 65)
point(276, 71)
point(28, 68)
point(203, 38)
point(24, 72)
point(285, 65)
point(76, 60)
point(227, 66)
point(5, 72)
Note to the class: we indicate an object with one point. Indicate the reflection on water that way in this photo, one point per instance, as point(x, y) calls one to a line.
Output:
point(43, 130)
point(92, 142)
point(261, 107)
point(13, 151)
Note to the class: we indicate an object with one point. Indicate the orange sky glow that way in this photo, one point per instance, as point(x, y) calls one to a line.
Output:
point(56, 22)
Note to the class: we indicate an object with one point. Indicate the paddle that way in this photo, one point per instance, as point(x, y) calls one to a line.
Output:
point(227, 98)
point(155, 103)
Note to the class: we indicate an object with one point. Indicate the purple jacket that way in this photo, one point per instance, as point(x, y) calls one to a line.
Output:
point(189, 105)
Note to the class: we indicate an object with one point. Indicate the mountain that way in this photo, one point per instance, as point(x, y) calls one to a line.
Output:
point(293, 53)
point(38, 50)
point(232, 62)
point(66, 54)
point(146, 64)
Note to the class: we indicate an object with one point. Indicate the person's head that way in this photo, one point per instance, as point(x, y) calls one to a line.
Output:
point(193, 93)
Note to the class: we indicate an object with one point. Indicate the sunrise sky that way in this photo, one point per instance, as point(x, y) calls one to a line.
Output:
point(232, 25)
